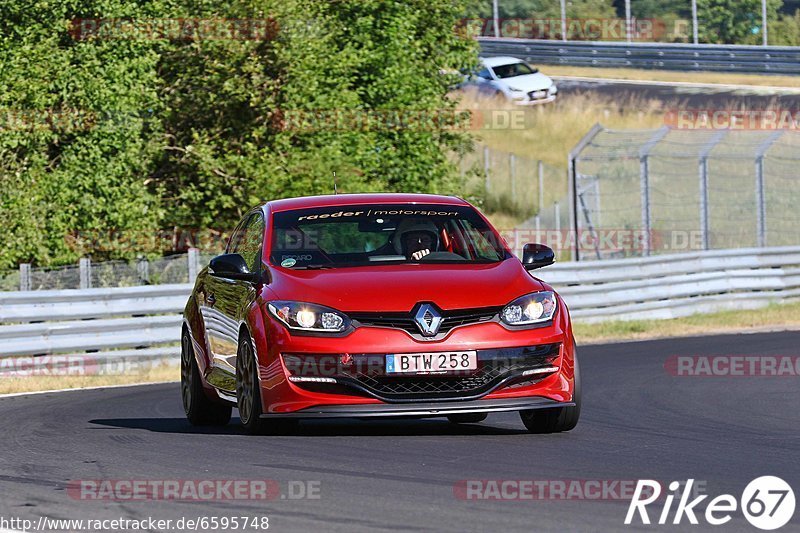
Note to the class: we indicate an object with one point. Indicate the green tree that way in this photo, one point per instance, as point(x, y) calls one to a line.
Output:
point(74, 154)
point(230, 145)
point(786, 31)
point(733, 21)
point(102, 135)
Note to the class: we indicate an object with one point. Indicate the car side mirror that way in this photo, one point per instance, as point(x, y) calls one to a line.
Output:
point(537, 256)
point(231, 266)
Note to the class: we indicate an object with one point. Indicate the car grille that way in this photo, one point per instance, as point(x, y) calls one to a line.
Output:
point(405, 321)
point(366, 375)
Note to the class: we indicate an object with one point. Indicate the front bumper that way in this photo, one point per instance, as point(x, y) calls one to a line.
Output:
point(536, 102)
point(422, 409)
point(531, 98)
point(282, 397)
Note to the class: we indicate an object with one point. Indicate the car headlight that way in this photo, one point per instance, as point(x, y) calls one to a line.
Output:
point(530, 309)
point(301, 316)
point(515, 90)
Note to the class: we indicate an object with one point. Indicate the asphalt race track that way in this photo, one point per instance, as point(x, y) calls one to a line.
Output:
point(638, 422)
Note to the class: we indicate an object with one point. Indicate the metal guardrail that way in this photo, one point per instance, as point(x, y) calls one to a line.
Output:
point(666, 56)
point(143, 323)
point(677, 285)
point(92, 328)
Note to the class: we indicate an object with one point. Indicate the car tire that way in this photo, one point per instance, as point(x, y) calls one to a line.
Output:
point(248, 395)
point(467, 418)
point(555, 420)
point(199, 408)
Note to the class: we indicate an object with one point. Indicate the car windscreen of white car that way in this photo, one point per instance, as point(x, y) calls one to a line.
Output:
point(341, 236)
point(514, 69)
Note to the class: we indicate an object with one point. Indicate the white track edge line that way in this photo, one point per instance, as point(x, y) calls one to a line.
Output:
point(679, 84)
point(99, 387)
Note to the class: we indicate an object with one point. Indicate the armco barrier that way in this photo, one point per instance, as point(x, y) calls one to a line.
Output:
point(141, 322)
point(684, 57)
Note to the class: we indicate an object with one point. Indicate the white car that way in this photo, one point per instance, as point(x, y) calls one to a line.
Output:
point(515, 79)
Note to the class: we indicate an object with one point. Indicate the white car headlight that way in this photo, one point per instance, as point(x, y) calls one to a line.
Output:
point(515, 90)
point(300, 316)
point(530, 309)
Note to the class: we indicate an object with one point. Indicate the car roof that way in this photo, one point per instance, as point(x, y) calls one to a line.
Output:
point(501, 60)
point(331, 200)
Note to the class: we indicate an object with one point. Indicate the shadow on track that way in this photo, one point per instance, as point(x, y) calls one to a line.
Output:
point(320, 428)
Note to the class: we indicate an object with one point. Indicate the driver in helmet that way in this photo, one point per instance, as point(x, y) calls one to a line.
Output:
point(416, 238)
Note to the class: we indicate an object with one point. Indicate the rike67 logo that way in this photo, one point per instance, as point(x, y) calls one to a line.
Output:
point(767, 503)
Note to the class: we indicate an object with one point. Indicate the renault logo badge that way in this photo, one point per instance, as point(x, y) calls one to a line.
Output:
point(428, 320)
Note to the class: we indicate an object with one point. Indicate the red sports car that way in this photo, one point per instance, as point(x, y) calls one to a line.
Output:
point(376, 305)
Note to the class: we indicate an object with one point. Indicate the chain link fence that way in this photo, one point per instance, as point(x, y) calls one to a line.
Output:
point(505, 182)
point(174, 269)
point(681, 21)
point(645, 192)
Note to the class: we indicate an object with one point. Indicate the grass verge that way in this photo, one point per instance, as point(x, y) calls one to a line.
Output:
point(669, 76)
point(773, 317)
point(35, 383)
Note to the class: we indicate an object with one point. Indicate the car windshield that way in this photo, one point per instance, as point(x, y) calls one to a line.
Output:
point(513, 69)
point(357, 235)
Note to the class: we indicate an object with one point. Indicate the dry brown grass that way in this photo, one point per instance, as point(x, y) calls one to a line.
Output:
point(552, 130)
point(774, 317)
point(158, 374)
point(665, 75)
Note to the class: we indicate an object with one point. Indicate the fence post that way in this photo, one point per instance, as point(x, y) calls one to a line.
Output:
point(486, 168)
point(572, 179)
point(85, 267)
point(761, 201)
point(25, 276)
point(512, 168)
point(194, 264)
point(143, 269)
point(538, 221)
point(541, 185)
point(703, 171)
point(761, 227)
point(557, 211)
point(644, 173)
point(704, 202)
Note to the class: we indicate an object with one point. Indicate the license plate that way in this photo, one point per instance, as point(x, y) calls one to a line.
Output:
point(428, 363)
point(540, 94)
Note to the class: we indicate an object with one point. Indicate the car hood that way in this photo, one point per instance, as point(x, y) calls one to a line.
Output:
point(529, 82)
point(400, 287)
